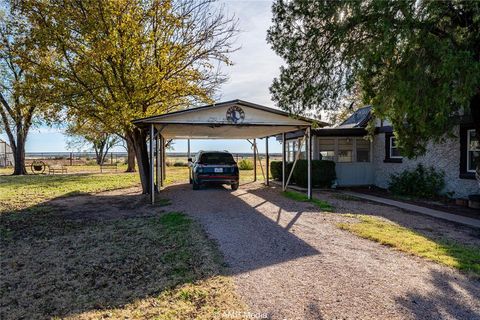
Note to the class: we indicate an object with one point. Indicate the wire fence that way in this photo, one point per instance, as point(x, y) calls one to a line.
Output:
point(89, 158)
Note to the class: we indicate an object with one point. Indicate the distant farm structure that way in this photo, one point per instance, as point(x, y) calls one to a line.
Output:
point(6, 155)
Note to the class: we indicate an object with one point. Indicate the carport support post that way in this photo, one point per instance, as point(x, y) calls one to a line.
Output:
point(188, 157)
point(164, 173)
point(152, 187)
point(160, 160)
point(157, 162)
point(309, 161)
point(267, 160)
point(254, 159)
point(284, 160)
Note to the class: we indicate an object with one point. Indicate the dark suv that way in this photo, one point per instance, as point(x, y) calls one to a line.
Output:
point(214, 167)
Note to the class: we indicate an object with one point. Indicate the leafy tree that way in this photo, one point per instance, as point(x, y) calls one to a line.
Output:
point(82, 133)
point(117, 60)
point(416, 62)
point(22, 90)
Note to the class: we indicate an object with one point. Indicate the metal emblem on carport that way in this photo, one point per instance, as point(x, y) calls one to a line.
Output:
point(235, 114)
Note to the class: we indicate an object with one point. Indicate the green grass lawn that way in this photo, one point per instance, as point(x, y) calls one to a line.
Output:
point(20, 192)
point(452, 254)
point(297, 196)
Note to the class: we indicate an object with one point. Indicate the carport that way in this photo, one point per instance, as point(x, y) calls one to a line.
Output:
point(234, 119)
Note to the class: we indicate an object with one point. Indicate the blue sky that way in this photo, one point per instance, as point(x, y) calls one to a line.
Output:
point(255, 66)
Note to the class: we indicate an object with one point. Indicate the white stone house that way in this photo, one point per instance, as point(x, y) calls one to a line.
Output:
point(361, 162)
point(6, 154)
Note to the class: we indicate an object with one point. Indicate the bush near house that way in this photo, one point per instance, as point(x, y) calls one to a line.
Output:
point(323, 172)
point(245, 164)
point(276, 169)
point(423, 182)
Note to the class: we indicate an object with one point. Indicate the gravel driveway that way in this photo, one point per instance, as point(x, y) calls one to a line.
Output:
point(291, 262)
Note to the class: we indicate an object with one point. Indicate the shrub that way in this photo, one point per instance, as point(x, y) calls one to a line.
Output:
point(323, 173)
point(245, 164)
point(276, 169)
point(180, 164)
point(423, 182)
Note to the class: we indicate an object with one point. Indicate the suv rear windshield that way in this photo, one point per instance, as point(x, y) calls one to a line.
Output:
point(216, 158)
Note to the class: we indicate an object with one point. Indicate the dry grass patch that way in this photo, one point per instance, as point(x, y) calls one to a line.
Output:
point(180, 174)
point(160, 266)
point(449, 253)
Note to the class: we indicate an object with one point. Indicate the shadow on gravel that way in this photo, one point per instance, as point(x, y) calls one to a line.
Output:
point(442, 304)
point(248, 239)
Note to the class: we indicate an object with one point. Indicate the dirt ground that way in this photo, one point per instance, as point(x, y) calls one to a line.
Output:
point(290, 261)
point(108, 255)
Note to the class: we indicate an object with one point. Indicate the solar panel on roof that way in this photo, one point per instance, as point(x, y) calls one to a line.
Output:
point(357, 119)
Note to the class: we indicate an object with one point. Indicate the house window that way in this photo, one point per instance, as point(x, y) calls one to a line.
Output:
point(326, 146)
point(394, 152)
point(303, 149)
point(473, 148)
point(327, 155)
point(363, 150)
point(345, 150)
point(292, 149)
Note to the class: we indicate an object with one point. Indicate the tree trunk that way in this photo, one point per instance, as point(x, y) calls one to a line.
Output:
point(98, 156)
point(19, 154)
point(130, 156)
point(139, 138)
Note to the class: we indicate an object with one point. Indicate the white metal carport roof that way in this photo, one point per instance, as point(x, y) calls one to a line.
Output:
point(236, 119)
point(211, 122)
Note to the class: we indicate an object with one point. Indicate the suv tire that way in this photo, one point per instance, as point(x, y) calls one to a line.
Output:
point(196, 186)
